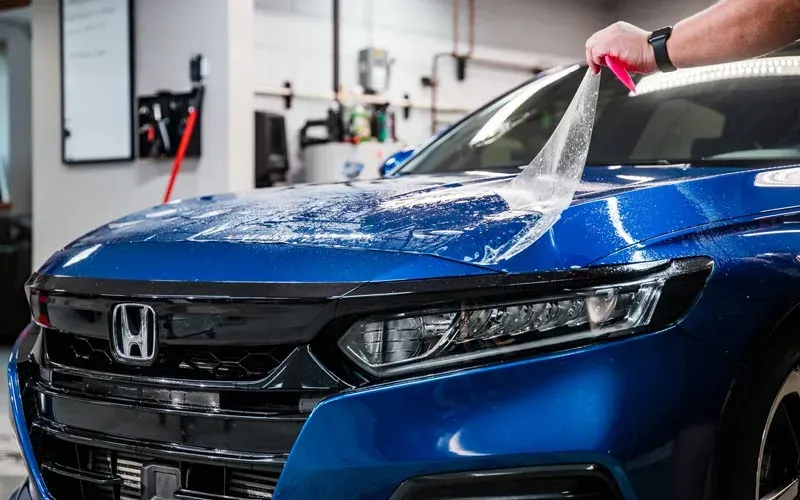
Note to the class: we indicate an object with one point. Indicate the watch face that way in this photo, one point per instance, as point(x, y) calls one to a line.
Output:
point(661, 33)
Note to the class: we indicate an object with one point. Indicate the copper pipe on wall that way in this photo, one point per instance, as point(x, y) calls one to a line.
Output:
point(435, 85)
point(504, 65)
point(283, 92)
point(471, 48)
point(455, 25)
point(468, 56)
point(434, 81)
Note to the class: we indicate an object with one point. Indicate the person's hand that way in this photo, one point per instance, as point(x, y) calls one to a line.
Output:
point(625, 42)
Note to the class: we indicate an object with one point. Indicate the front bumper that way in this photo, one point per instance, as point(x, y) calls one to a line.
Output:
point(628, 406)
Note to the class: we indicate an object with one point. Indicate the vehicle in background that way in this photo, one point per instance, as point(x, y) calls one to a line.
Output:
point(395, 161)
point(405, 338)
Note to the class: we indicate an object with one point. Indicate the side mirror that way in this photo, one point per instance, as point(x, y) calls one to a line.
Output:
point(394, 162)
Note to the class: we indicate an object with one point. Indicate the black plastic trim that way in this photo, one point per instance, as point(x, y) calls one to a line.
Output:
point(264, 461)
point(198, 429)
point(466, 482)
point(198, 321)
point(300, 371)
point(132, 289)
point(292, 292)
point(400, 296)
point(82, 475)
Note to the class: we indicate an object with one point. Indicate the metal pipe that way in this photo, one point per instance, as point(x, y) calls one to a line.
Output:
point(283, 92)
point(336, 48)
point(505, 65)
point(469, 56)
point(435, 85)
point(455, 26)
point(471, 48)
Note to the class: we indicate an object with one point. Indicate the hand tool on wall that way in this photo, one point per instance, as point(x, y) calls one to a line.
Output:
point(197, 72)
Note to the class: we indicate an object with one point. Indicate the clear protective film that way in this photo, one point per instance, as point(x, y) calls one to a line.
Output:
point(484, 219)
point(547, 185)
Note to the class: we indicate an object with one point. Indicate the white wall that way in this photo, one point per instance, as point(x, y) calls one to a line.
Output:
point(293, 42)
point(15, 34)
point(68, 201)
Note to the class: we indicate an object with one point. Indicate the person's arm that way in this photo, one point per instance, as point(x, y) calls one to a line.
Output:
point(729, 30)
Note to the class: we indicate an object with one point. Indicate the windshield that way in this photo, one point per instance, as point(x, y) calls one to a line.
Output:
point(729, 114)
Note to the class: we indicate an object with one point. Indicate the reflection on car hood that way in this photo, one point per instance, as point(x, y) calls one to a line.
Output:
point(463, 218)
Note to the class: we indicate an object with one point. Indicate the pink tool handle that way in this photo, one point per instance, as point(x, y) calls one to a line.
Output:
point(621, 72)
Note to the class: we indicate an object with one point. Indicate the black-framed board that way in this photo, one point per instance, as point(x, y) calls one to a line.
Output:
point(97, 81)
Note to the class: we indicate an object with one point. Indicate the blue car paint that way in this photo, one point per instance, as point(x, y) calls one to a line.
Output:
point(396, 160)
point(644, 407)
point(20, 428)
point(456, 218)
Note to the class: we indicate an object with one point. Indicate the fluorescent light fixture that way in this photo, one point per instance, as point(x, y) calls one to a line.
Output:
point(755, 68)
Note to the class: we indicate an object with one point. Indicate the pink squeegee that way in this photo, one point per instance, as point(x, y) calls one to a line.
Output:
point(621, 72)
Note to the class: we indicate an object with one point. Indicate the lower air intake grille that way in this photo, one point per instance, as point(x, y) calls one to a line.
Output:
point(129, 468)
point(80, 472)
point(250, 485)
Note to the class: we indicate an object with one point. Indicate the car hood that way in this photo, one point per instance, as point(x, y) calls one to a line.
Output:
point(461, 218)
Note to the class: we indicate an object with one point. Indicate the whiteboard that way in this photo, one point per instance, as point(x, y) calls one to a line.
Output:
point(96, 81)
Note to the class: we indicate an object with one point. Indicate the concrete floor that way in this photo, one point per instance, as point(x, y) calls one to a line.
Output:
point(12, 470)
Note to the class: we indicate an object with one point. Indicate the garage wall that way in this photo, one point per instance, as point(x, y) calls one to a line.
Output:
point(657, 13)
point(293, 42)
point(15, 34)
point(68, 201)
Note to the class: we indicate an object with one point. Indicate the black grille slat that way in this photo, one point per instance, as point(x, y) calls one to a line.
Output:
point(268, 403)
point(197, 429)
point(100, 478)
point(180, 362)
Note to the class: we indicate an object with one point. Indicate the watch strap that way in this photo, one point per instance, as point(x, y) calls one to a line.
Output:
point(658, 40)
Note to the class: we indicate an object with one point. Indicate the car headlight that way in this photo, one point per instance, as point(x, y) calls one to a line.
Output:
point(417, 341)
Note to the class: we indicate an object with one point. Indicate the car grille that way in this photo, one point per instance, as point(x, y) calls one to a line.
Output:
point(215, 363)
point(82, 472)
point(216, 413)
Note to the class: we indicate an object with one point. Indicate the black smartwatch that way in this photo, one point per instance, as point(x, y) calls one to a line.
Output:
point(658, 40)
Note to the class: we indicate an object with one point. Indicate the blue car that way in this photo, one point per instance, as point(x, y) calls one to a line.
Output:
point(405, 338)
